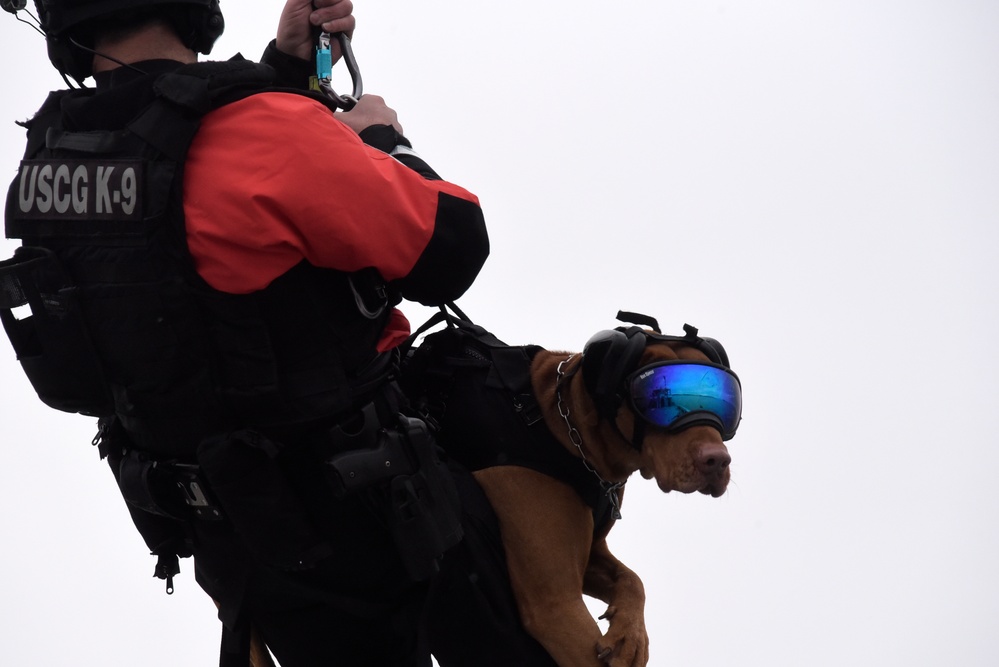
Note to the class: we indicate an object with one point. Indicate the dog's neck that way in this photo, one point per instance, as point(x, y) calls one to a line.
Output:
point(566, 405)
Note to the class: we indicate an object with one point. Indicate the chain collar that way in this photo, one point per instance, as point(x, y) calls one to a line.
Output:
point(610, 489)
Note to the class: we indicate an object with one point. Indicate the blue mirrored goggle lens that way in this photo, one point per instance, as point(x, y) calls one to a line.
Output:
point(665, 394)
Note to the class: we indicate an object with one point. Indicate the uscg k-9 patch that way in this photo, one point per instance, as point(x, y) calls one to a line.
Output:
point(79, 190)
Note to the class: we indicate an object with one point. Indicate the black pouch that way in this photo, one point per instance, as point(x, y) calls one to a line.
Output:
point(145, 486)
point(166, 536)
point(424, 511)
point(254, 492)
point(53, 343)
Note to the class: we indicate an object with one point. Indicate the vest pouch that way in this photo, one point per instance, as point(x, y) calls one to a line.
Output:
point(424, 509)
point(246, 479)
point(163, 534)
point(53, 343)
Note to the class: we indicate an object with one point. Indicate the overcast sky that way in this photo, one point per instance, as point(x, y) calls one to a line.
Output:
point(816, 184)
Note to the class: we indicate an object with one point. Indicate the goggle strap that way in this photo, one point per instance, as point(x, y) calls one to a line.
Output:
point(634, 441)
point(639, 318)
point(638, 436)
point(690, 332)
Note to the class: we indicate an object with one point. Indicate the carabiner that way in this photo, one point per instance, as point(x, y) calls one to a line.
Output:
point(324, 70)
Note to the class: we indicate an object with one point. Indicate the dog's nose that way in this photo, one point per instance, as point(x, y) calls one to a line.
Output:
point(713, 459)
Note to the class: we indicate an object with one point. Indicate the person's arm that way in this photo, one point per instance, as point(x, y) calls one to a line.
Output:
point(275, 179)
point(378, 126)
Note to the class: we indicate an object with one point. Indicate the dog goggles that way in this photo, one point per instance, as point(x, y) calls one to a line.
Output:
point(676, 394)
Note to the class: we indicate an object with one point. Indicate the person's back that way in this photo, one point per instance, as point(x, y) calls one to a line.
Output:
point(219, 258)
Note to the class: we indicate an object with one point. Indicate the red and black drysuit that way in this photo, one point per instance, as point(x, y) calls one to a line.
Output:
point(211, 264)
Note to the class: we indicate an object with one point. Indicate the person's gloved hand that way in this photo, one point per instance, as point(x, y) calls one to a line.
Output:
point(295, 28)
point(370, 110)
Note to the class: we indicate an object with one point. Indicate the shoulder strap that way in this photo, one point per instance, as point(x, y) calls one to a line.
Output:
point(200, 87)
point(188, 93)
point(459, 321)
point(47, 116)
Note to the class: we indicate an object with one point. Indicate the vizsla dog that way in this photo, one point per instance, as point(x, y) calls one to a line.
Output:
point(552, 532)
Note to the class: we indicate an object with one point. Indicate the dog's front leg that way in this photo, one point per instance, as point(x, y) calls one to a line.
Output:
point(547, 533)
point(626, 642)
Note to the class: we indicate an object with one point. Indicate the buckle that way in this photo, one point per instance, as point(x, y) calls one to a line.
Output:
point(194, 492)
point(528, 408)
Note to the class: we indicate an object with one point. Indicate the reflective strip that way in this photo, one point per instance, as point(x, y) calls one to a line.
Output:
point(403, 150)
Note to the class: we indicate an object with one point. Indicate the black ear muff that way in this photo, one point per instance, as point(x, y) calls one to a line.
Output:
point(607, 358)
point(208, 25)
point(66, 59)
point(714, 351)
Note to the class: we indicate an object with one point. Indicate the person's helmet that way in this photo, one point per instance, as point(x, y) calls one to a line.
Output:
point(198, 23)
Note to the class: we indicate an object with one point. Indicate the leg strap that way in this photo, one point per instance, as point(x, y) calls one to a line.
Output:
point(236, 643)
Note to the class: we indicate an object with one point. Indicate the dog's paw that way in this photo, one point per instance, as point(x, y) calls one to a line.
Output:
point(626, 642)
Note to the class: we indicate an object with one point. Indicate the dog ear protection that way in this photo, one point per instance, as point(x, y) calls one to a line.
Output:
point(608, 357)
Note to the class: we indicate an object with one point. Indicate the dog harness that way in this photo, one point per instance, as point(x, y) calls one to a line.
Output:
point(477, 391)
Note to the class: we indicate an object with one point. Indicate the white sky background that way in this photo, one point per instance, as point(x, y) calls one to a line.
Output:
point(815, 184)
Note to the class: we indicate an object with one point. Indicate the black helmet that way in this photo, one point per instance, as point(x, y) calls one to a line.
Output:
point(198, 22)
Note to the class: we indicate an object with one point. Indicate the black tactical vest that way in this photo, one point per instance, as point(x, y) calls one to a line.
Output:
point(120, 321)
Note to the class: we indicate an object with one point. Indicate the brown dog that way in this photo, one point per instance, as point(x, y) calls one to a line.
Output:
point(555, 552)
point(552, 554)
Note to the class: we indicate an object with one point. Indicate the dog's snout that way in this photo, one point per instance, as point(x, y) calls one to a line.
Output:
point(713, 459)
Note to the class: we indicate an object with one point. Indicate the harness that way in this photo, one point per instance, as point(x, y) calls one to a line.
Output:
point(476, 392)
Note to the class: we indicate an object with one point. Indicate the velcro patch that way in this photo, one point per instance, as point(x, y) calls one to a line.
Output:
point(80, 190)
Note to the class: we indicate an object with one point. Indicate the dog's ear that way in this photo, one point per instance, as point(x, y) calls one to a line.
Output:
point(607, 358)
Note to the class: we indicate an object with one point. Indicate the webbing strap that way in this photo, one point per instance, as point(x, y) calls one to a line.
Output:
point(235, 649)
point(12, 292)
point(165, 129)
point(98, 142)
point(187, 94)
